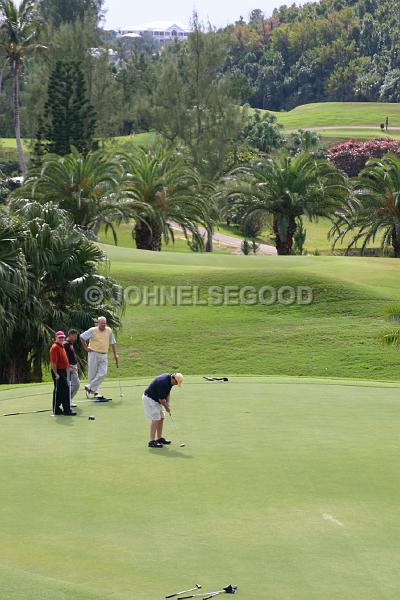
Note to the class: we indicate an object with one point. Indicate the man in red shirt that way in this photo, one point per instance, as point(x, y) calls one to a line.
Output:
point(59, 366)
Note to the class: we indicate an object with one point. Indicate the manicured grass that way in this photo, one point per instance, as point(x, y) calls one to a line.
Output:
point(132, 141)
point(11, 144)
point(359, 134)
point(289, 489)
point(344, 114)
point(335, 336)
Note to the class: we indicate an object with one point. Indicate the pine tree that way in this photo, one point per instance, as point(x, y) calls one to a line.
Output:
point(68, 119)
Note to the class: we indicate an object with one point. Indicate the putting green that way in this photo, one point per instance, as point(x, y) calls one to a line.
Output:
point(288, 488)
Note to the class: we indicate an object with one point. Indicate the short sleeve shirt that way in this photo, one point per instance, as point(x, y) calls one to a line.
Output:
point(159, 388)
point(87, 335)
point(58, 356)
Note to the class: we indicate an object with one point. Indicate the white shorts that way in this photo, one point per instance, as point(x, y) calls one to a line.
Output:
point(152, 409)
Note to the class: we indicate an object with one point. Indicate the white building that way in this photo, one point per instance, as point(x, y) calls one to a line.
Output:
point(161, 31)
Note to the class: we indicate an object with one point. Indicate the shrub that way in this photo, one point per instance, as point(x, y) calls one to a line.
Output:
point(352, 156)
point(245, 247)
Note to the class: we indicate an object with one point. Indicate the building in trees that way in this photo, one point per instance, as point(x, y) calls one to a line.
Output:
point(160, 31)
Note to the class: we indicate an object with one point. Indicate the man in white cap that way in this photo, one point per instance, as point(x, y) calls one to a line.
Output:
point(155, 400)
point(100, 338)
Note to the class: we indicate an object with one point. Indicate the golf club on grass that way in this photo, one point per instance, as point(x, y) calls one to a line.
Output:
point(197, 587)
point(55, 396)
point(229, 589)
point(182, 444)
point(119, 379)
point(28, 412)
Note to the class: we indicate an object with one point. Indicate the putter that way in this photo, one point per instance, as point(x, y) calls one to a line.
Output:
point(182, 444)
point(197, 587)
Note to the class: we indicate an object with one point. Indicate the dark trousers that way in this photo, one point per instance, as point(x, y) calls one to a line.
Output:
point(61, 392)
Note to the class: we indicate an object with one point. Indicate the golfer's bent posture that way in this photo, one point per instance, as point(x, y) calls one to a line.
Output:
point(73, 376)
point(155, 400)
point(59, 371)
point(99, 339)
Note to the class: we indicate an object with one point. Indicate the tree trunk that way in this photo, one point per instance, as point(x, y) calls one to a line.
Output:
point(284, 246)
point(15, 368)
point(396, 242)
point(148, 236)
point(17, 120)
point(37, 373)
point(209, 242)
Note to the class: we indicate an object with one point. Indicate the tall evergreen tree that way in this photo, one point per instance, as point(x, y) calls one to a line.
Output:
point(68, 119)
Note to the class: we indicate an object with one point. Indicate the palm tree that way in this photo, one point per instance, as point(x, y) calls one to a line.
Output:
point(13, 277)
point(374, 208)
point(61, 265)
point(87, 187)
point(19, 29)
point(170, 190)
point(286, 188)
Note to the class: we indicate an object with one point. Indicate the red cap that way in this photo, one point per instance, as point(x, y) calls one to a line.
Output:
point(60, 334)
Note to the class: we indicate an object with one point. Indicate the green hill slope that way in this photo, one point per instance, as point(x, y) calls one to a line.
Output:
point(335, 335)
point(340, 114)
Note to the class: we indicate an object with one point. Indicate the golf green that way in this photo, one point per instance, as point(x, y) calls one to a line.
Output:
point(287, 487)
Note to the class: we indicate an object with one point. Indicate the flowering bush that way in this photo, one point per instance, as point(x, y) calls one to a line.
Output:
point(352, 156)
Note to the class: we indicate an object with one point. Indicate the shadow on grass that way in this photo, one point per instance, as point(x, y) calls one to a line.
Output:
point(169, 453)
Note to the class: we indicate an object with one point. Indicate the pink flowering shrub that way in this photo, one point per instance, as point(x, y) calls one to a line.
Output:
point(352, 156)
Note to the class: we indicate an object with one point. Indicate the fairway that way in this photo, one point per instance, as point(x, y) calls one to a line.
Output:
point(288, 488)
point(344, 114)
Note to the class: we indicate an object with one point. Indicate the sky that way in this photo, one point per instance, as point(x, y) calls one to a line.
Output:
point(121, 13)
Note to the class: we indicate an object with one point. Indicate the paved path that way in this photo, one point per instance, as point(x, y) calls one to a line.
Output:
point(229, 240)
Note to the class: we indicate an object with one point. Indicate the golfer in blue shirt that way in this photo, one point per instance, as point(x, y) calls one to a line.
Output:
point(155, 401)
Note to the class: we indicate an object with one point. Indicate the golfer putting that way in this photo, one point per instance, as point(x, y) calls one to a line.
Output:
point(156, 402)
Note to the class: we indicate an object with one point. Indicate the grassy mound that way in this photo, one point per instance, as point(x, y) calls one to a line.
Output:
point(287, 488)
point(334, 336)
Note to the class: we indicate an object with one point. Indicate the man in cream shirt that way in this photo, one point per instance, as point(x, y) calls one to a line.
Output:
point(99, 339)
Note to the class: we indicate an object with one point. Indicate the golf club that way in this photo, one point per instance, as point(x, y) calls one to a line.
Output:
point(119, 379)
point(182, 444)
point(229, 589)
point(197, 587)
point(28, 412)
point(70, 391)
point(55, 395)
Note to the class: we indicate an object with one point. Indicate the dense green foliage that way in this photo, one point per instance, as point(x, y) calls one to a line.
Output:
point(342, 50)
point(69, 11)
point(46, 266)
point(329, 50)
